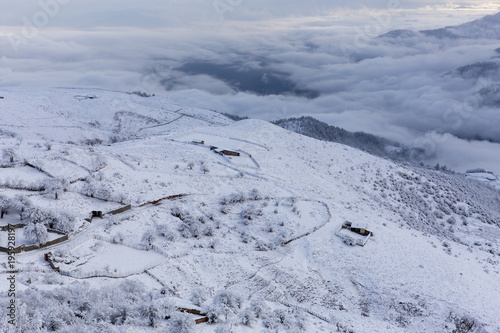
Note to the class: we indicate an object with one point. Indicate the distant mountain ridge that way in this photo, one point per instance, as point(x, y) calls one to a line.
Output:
point(486, 27)
point(370, 143)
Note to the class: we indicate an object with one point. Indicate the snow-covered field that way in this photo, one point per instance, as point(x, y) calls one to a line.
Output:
point(249, 240)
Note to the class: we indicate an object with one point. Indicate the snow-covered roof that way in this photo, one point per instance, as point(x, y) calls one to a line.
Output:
point(359, 225)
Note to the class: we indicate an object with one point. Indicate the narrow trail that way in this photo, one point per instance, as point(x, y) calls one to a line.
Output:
point(162, 124)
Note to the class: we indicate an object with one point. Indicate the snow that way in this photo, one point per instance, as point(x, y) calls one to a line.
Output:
point(262, 225)
point(352, 238)
point(100, 256)
point(27, 174)
point(487, 178)
point(20, 238)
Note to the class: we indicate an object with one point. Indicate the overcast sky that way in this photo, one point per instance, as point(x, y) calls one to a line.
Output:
point(406, 89)
point(156, 13)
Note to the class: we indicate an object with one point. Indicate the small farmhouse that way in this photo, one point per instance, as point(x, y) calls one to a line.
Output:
point(226, 152)
point(360, 229)
point(97, 213)
point(230, 153)
point(354, 233)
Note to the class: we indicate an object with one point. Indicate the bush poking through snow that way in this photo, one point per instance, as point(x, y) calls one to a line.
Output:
point(224, 306)
point(190, 226)
point(9, 155)
point(164, 231)
point(259, 309)
point(204, 169)
point(179, 213)
point(118, 238)
point(247, 317)
point(148, 238)
point(288, 320)
point(465, 324)
point(254, 195)
point(55, 186)
point(199, 296)
point(250, 213)
point(181, 323)
point(233, 199)
point(5, 205)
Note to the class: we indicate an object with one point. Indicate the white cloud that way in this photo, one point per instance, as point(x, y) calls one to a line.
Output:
point(397, 89)
point(450, 151)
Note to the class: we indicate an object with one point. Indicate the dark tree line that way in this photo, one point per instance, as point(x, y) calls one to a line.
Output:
point(370, 143)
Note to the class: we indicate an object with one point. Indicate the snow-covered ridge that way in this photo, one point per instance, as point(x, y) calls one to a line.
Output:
point(487, 27)
point(94, 115)
point(249, 241)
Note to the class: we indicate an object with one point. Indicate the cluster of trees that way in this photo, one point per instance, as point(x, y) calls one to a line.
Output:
point(373, 144)
point(53, 186)
point(228, 307)
point(128, 305)
point(37, 220)
point(233, 116)
point(464, 324)
point(96, 188)
point(439, 203)
point(190, 226)
point(142, 94)
point(20, 184)
point(16, 204)
point(80, 308)
point(258, 227)
point(478, 69)
point(239, 197)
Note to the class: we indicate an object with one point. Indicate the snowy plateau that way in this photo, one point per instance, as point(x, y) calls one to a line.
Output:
point(242, 243)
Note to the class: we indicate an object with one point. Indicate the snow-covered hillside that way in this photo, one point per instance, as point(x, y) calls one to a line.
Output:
point(250, 241)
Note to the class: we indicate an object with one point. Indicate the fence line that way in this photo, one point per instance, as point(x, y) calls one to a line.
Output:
point(75, 243)
point(12, 226)
point(24, 248)
point(104, 273)
point(156, 202)
point(120, 210)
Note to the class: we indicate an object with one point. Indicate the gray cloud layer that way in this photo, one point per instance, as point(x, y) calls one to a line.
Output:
point(406, 88)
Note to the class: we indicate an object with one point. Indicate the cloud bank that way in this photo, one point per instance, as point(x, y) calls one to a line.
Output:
point(278, 59)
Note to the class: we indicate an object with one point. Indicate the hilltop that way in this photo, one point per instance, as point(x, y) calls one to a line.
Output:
point(245, 233)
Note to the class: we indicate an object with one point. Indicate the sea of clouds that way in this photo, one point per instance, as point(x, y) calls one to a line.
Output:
point(278, 59)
